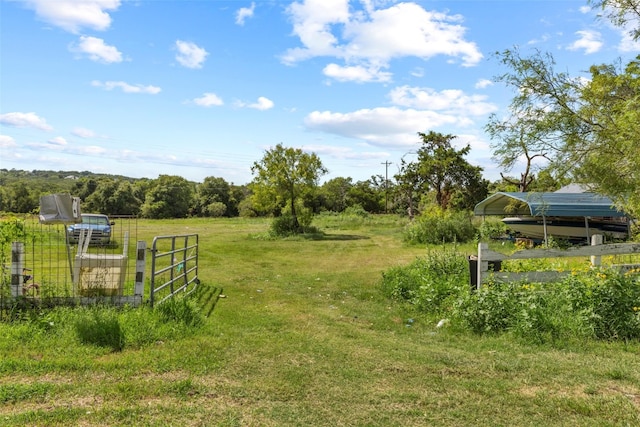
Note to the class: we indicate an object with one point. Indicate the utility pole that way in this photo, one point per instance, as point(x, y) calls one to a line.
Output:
point(386, 186)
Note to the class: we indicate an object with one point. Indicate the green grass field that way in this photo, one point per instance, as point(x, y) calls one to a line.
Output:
point(302, 336)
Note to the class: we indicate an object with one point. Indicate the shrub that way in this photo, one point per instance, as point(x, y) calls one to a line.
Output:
point(431, 283)
point(491, 228)
point(356, 211)
point(490, 309)
point(439, 226)
point(601, 304)
point(216, 209)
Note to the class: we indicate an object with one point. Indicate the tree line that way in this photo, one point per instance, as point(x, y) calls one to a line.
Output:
point(286, 182)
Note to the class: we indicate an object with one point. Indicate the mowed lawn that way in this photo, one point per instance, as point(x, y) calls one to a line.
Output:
point(302, 336)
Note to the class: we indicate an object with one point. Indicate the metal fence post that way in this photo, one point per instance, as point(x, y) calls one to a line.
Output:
point(141, 258)
point(17, 268)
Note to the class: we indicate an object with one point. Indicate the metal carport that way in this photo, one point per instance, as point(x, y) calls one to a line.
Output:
point(547, 204)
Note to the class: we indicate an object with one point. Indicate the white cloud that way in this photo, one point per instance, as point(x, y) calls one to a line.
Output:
point(483, 83)
point(344, 153)
point(208, 100)
point(245, 12)
point(24, 120)
point(370, 38)
point(585, 9)
point(91, 150)
point(262, 104)
point(627, 44)
point(190, 55)
point(390, 126)
point(58, 141)
point(7, 142)
point(126, 87)
point(415, 109)
point(452, 101)
point(417, 72)
point(73, 15)
point(357, 73)
point(83, 133)
point(96, 50)
point(542, 39)
point(589, 40)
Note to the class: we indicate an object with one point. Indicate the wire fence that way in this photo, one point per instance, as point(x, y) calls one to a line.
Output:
point(44, 266)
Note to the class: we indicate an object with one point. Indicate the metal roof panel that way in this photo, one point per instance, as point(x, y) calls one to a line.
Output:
point(547, 204)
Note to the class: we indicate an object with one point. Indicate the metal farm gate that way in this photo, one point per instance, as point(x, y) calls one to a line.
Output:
point(174, 266)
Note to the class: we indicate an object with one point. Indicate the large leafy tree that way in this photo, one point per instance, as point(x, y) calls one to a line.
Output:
point(169, 196)
point(367, 194)
point(112, 197)
point(443, 170)
point(335, 194)
point(213, 191)
point(282, 176)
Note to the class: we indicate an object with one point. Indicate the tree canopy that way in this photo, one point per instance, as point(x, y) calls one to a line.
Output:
point(282, 176)
point(442, 169)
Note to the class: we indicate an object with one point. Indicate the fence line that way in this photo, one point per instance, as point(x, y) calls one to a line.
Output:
point(39, 268)
point(487, 257)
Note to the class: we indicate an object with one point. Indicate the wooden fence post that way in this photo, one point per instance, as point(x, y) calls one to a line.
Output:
point(141, 258)
point(17, 267)
point(596, 260)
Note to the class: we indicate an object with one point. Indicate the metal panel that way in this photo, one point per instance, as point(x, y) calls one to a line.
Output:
point(548, 204)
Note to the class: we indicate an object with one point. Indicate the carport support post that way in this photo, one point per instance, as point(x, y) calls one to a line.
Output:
point(483, 266)
point(141, 258)
point(17, 266)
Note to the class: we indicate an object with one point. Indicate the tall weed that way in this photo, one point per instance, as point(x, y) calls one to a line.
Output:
point(182, 309)
point(101, 327)
point(437, 226)
point(432, 283)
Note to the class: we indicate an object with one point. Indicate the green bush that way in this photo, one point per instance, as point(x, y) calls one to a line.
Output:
point(595, 304)
point(356, 211)
point(431, 283)
point(600, 304)
point(489, 310)
point(216, 209)
point(491, 228)
point(437, 226)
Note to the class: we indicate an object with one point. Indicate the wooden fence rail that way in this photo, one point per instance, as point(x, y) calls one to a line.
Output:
point(487, 257)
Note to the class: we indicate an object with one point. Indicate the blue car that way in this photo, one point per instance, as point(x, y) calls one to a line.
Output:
point(100, 227)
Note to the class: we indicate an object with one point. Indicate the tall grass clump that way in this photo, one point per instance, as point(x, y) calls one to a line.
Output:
point(181, 309)
point(432, 283)
point(100, 327)
point(438, 226)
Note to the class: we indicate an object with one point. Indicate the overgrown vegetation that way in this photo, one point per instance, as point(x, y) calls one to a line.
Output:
point(592, 304)
point(438, 226)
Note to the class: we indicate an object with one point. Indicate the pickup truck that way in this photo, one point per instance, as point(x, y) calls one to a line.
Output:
point(100, 227)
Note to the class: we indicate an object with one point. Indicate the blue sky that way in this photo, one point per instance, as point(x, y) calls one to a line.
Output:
point(202, 88)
